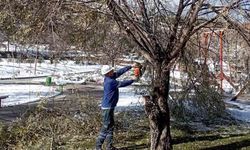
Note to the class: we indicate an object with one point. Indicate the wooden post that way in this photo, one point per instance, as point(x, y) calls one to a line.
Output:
point(2, 97)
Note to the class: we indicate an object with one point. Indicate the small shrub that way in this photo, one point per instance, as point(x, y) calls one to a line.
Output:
point(205, 104)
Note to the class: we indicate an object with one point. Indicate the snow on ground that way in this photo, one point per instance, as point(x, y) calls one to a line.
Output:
point(69, 72)
point(20, 94)
point(61, 73)
point(243, 110)
point(13, 69)
point(127, 97)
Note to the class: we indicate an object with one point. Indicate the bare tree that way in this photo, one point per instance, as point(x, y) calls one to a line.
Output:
point(162, 34)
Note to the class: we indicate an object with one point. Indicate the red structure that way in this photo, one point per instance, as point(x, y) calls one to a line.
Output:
point(206, 37)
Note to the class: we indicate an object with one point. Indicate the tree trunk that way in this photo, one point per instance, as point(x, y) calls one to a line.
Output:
point(157, 110)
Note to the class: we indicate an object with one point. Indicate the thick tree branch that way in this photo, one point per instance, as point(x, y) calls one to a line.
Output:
point(144, 44)
point(187, 29)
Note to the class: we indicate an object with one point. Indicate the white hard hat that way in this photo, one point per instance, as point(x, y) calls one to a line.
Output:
point(106, 69)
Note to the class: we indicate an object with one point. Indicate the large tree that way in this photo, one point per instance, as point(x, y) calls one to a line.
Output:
point(162, 29)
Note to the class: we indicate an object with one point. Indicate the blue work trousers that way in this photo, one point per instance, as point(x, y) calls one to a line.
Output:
point(106, 130)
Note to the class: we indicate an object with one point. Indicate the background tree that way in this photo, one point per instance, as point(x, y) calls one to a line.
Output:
point(63, 26)
point(59, 24)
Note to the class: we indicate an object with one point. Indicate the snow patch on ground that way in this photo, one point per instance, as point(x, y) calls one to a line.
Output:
point(241, 111)
point(20, 94)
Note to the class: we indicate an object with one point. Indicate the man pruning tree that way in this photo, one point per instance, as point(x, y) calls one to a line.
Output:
point(109, 101)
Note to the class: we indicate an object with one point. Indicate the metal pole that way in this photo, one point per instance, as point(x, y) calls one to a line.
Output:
point(206, 47)
point(221, 58)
